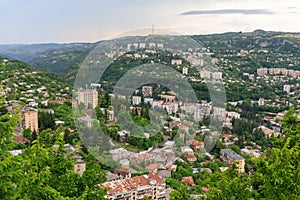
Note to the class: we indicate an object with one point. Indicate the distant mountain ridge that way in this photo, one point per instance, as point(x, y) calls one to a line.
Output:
point(65, 59)
point(52, 57)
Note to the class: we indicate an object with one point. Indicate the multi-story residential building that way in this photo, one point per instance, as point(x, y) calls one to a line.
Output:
point(136, 100)
point(216, 75)
point(278, 71)
point(147, 91)
point(176, 62)
point(229, 156)
point(88, 97)
point(149, 186)
point(262, 71)
point(205, 74)
point(185, 70)
point(80, 164)
point(287, 88)
point(30, 119)
point(261, 102)
point(170, 107)
point(168, 98)
point(233, 115)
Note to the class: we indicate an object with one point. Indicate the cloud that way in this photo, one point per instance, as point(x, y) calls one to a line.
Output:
point(229, 11)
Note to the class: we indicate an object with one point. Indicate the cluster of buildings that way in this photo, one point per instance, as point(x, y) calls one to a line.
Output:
point(165, 157)
point(278, 71)
point(211, 75)
point(121, 185)
point(158, 157)
point(31, 93)
point(171, 105)
point(142, 45)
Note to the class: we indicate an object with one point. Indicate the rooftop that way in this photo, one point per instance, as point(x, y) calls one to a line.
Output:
point(188, 180)
point(231, 155)
point(125, 185)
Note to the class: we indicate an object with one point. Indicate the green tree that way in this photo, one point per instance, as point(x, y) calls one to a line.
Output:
point(181, 194)
point(277, 174)
point(27, 134)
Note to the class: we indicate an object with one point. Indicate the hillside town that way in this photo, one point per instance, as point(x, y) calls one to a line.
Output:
point(197, 140)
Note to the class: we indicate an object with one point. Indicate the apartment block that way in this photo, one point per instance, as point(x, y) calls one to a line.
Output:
point(185, 70)
point(147, 91)
point(176, 62)
point(262, 71)
point(149, 186)
point(216, 75)
point(136, 100)
point(29, 119)
point(88, 97)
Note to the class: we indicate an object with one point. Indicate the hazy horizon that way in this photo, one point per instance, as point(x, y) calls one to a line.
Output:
point(73, 21)
point(88, 42)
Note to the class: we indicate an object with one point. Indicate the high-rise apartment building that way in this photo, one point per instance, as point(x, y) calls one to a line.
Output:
point(88, 97)
point(30, 119)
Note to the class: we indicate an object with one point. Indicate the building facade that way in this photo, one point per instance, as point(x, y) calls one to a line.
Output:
point(229, 156)
point(30, 119)
point(136, 100)
point(147, 91)
point(88, 97)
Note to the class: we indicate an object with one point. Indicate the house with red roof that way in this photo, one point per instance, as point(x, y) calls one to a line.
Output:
point(188, 180)
point(196, 145)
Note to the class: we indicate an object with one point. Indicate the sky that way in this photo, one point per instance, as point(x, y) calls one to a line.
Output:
point(64, 21)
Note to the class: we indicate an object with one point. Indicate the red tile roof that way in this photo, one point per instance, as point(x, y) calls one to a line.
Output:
point(205, 189)
point(172, 167)
point(203, 163)
point(188, 180)
point(121, 172)
point(89, 112)
point(190, 155)
point(196, 143)
point(124, 185)
point(152, 167)
point(59, 101)
point(21, 139)
point(174, 123)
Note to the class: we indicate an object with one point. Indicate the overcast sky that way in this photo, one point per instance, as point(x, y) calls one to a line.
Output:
point(34, 21)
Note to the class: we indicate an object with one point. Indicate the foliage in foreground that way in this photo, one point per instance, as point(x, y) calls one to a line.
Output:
point(276, 175)
point(43, 170)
